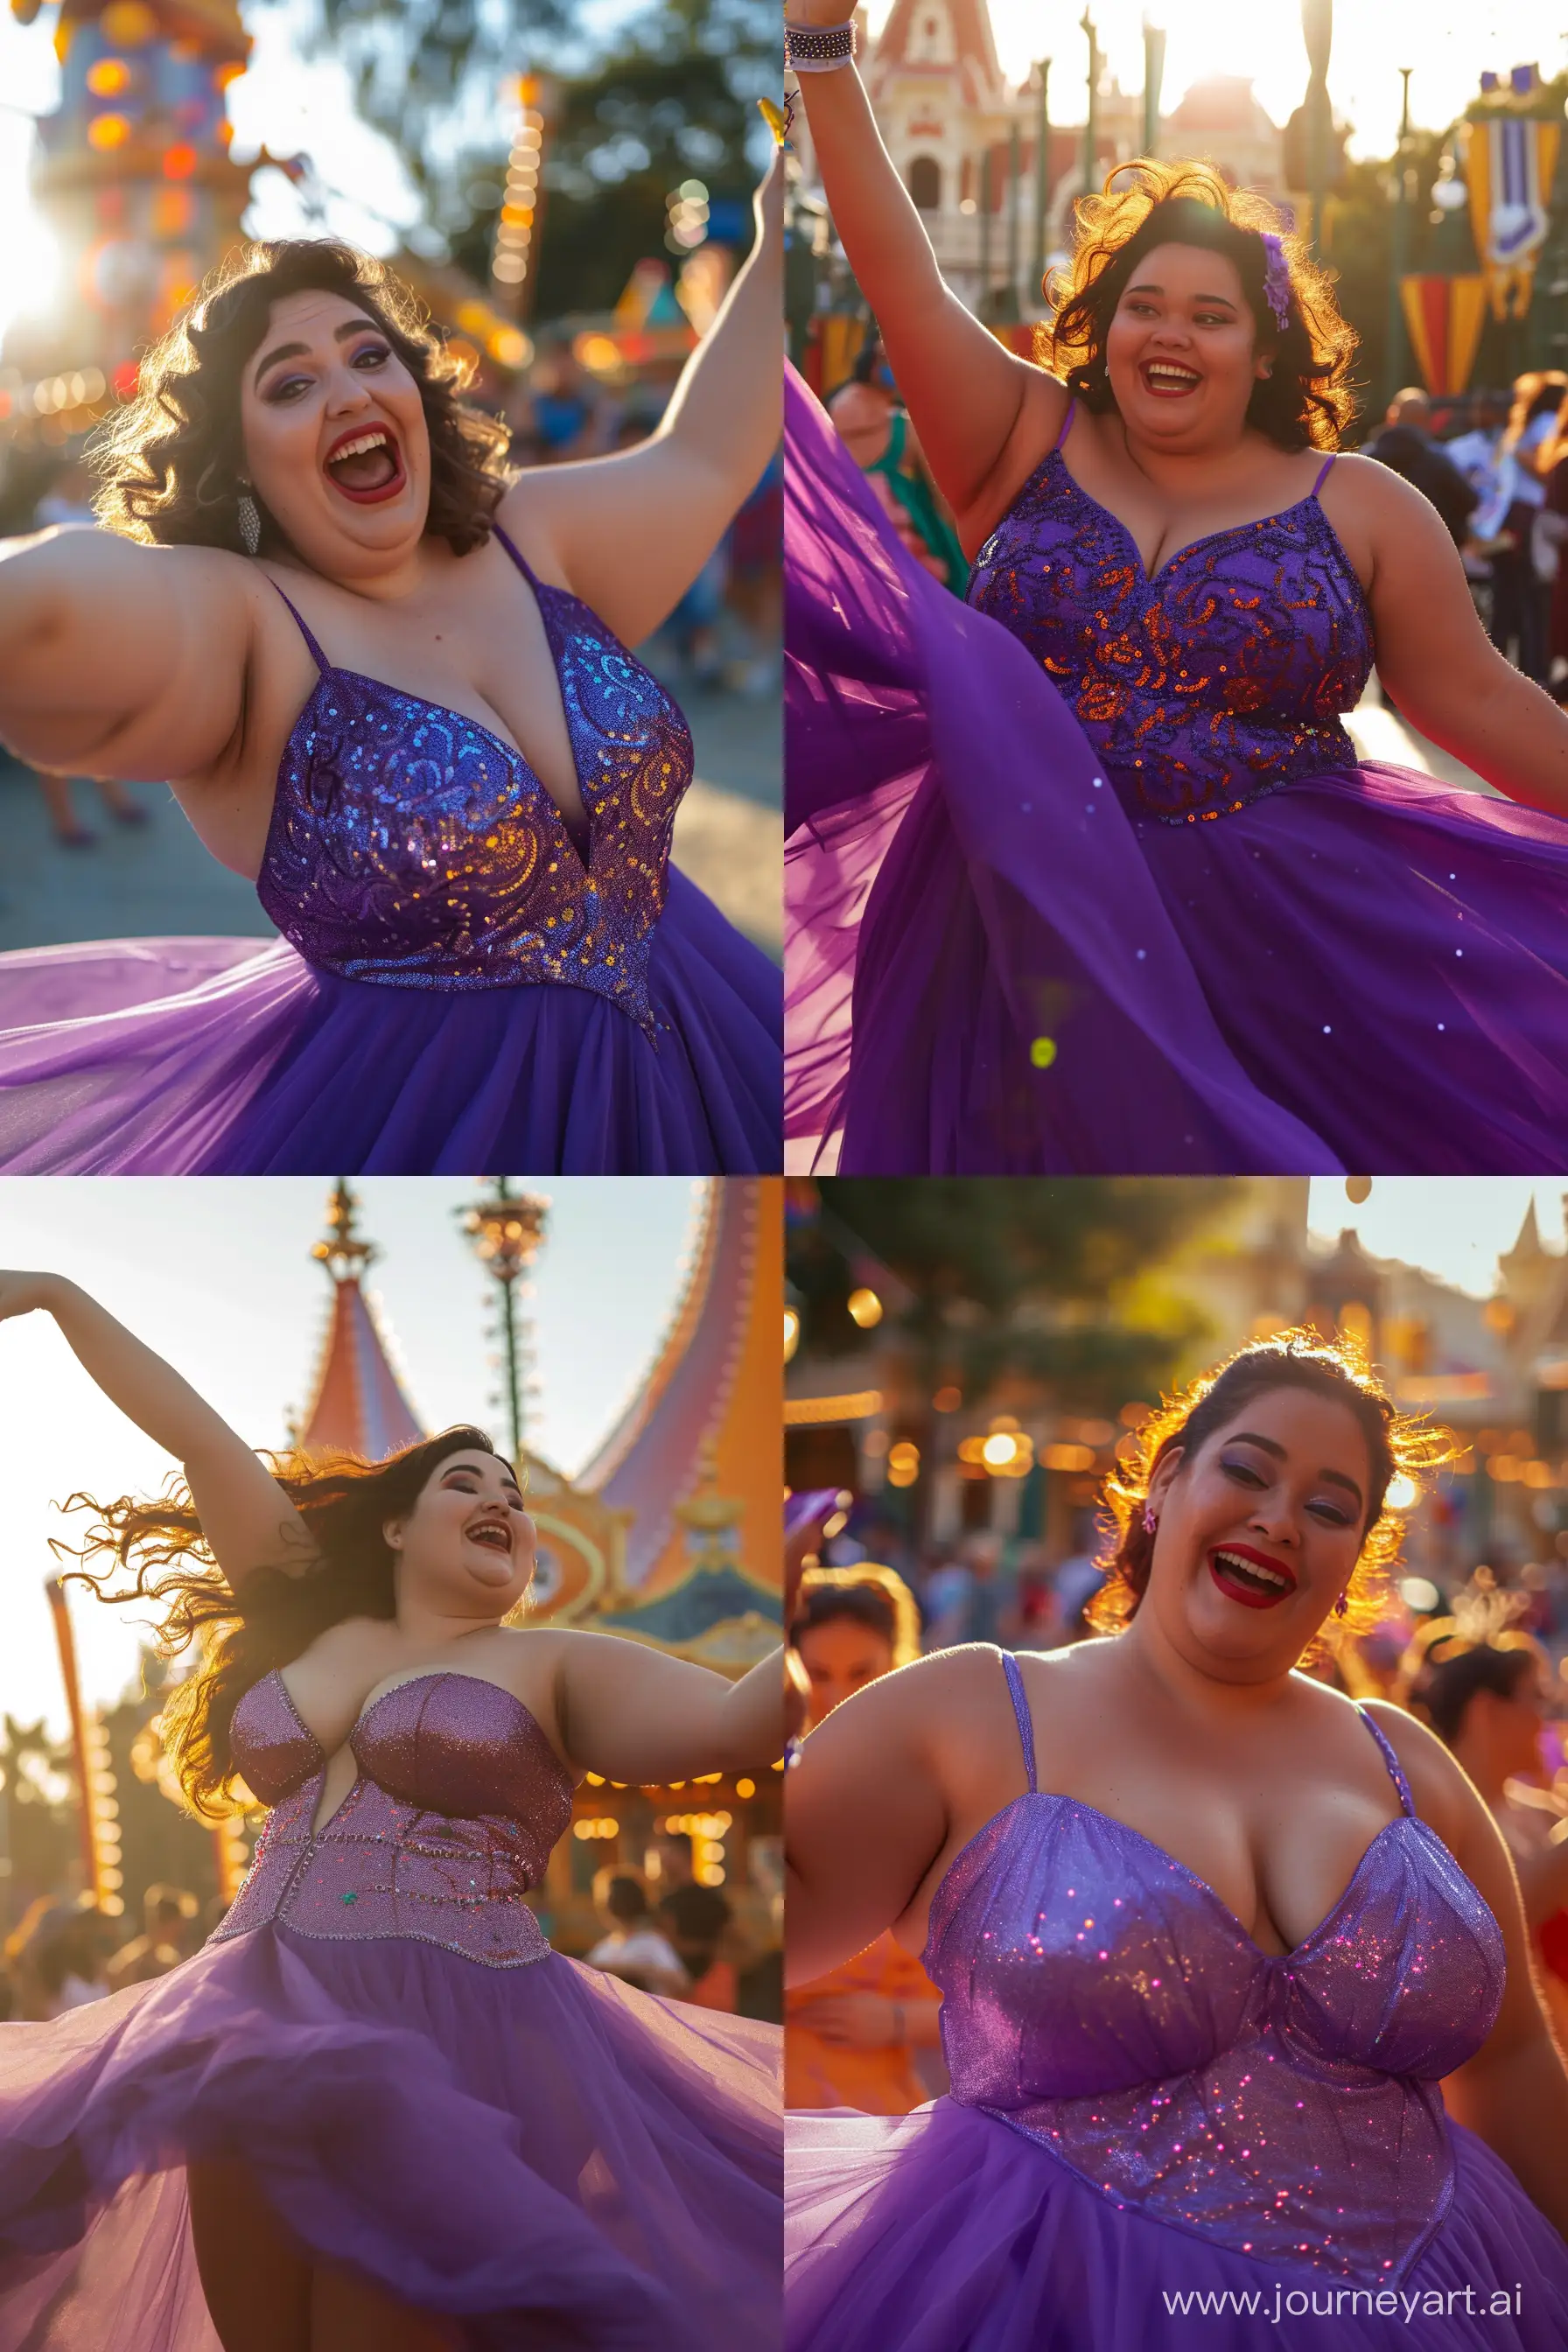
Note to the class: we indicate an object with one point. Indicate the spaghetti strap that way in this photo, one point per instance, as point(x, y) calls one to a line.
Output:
point(1067, 421)
point(1323, 472)
point(517, 556)
point(1396, 1772)
point(323, 663)
point(1021, 1709)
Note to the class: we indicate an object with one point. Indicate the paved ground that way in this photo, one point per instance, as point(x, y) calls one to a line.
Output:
point(156, 879)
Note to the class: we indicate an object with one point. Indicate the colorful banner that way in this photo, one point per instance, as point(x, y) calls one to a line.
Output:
point(1442, 316)
point(1510, 161)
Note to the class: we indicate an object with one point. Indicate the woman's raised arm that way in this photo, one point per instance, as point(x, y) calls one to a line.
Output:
point(969, 397)
point(121, 660)
point(632, 531)
point(247, 1519)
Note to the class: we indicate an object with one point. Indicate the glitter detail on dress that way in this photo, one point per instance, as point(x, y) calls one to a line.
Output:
point(411, 846)
point(460, 1800)
point(1101, 1999)
point(1219, 679)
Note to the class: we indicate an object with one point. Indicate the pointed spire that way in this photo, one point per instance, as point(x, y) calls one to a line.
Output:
point(358, 1405)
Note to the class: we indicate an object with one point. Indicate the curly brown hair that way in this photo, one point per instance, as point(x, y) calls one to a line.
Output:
point(158, 1547)
point(1399, 1445)
point(173, 457)
point(1308, 402)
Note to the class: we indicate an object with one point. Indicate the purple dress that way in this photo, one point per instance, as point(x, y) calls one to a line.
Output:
point(462, 981)
point(1085, 875)
point(1147, 2110)
point(427, 2094)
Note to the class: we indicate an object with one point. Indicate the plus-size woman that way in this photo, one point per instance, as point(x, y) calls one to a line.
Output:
point(391, 684)
point(1237, 1994)
point(377, 2112)
point(1090, 875)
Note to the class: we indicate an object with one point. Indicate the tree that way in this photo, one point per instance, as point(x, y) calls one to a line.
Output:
point(1051, 1284)
point(671, 98)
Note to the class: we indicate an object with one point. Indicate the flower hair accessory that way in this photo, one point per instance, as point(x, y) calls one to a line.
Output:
point(1276, 279)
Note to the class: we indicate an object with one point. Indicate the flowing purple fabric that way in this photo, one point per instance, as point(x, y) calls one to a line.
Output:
point(1146, 2107)
point(425, 2093)
point(463, 980)
point(1084, 873)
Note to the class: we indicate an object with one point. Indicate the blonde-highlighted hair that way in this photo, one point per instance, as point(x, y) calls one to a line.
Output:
point(1398, 1445)
point(873, 1596)
point(1308, 400)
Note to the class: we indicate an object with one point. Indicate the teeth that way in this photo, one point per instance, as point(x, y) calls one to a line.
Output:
point(1172, 374)
point(1250, 1568)
point(357, 448)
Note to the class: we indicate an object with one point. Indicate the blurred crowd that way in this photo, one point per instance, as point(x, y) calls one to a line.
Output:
point(65, 1952)
point(1482, 1665)
point(1495, 465)
point(666, 1933)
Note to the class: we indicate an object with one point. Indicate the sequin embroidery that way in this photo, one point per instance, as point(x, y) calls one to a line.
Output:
point(1218, 681)
point(411, 846)
point(459, 1801)
point(1103, 2001)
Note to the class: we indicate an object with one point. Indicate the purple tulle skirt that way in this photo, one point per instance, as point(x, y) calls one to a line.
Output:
point(992, 968)
point(226, 1057)
point(556, 2161)
point(948, 2232)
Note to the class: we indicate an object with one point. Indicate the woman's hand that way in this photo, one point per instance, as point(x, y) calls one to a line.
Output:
point(31, 1294)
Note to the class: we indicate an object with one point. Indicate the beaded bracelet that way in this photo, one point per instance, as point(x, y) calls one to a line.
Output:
point(818, 49)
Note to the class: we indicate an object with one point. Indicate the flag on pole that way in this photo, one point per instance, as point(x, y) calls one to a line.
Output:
point(1442, 316)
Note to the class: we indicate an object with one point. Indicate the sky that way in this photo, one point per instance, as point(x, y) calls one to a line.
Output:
point(1453, 1226)
point(1447, 43)
point(289, 103)
point(216, 1274)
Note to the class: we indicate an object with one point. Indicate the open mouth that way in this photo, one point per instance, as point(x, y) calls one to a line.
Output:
point(1250, 1577)
point(366, 466)
point(1168, 379)
point(490, 1535)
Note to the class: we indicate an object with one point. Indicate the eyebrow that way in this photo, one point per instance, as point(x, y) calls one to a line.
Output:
point(1147, 286)
point(302, 351)
point(1329, 1478)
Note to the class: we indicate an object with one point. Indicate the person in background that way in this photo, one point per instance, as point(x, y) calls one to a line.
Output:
point(1521, 594)
point(852, 2037)
point(1406, 448)
point(632, 1947)
point(1551, 529)
point(1484, 1687)
point(669, 1861)
point(699, 1923)
point(874, 426)
point(60, 1963)
point(168, 1912)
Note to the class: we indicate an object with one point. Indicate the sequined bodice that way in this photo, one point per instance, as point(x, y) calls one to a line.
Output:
point(1219, 679)
point(412, 846)
point(1102, 2000)
point(460, 1800)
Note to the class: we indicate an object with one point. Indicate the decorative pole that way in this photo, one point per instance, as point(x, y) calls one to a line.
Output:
point(1399, 256)
point(514, 263)
point(1318, 30)
point(1153, 77)
point(98, 1818)
point(1043, 177)
point(1090, 126)
point(509, 1231)
point(987, 191)
point(1010, 310)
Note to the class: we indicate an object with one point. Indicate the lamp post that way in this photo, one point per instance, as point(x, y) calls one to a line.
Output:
point(1153, 76)
point(1399, 245)
point(1008, 309)
point(987, 197)
point(1042, 175)
point(508, 1233)
point(1318, 31)
point(1091, 127)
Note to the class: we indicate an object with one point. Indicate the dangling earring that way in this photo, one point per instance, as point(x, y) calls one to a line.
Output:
point(1341, 1606)
point(249, 519)
point(1150, 1520)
